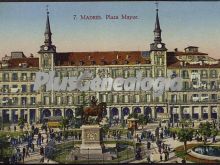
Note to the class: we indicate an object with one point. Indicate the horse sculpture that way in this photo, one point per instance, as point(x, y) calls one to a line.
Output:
point(96, 110)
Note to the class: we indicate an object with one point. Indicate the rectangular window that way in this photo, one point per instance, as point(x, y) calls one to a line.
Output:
point(214, 97)
point(115, 98)
point(24, 88)
point(173, 98)
point(14, 100)
point(23, 76)
point(184, 97)
point(33, 100)
point(148, 98)
point(5, 76)
point(185, 74)
point(204, 74)
point(213, 73)
point(14, 76)
point(5, 88)
point(137, 98)
point(32, 76)
point(23, 100)
point(126, 98)
point(32, 88)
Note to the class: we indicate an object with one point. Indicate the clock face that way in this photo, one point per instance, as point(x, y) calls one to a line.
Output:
point(45, 48)
point(159, 45)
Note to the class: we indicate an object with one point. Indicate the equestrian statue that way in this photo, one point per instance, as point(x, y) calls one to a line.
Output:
point(94, 110)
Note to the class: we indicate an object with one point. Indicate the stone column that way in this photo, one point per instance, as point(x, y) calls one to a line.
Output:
point(192, 111)
point(180, 112)
point(9, 114)
point(19, 113)
point(209, 113)
point(153, 112)
point(108, 112)
point(119, 114)
point(28, 115)
point(62, 111)
point(200, 112)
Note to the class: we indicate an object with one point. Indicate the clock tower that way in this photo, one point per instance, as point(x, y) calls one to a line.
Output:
point(158, 55)
point(47, 50)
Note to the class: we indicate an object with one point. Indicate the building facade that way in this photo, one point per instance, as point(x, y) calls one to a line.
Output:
point(198, 99)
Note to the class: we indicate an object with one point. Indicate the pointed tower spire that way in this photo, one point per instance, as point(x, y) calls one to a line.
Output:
point(48, 33)
point(157, 30)
point(47, 47)
point(157, 45)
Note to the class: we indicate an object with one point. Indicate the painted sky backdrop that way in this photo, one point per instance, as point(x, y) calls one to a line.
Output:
point(22, 26)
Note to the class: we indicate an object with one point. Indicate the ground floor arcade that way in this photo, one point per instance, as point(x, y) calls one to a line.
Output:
point(117, 112)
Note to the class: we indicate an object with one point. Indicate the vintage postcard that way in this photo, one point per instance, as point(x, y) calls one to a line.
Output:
point(109, 82)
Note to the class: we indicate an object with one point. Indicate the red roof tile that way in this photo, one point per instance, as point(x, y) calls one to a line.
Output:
point(31, 62)
point(101, 58)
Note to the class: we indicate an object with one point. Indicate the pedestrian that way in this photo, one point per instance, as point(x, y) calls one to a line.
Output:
point(148, 145)
point(23, 154)
point(148, 158)
point(27, 152)
point(161, 158)
point(42, 159)
point(164, 157)
point(32, 147)
point(42, 139)
point(151, 157)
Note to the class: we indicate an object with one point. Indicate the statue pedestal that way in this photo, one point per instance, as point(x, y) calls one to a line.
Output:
point(90, 140)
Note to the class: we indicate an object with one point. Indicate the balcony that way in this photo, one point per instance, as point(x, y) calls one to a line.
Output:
point(11, 105)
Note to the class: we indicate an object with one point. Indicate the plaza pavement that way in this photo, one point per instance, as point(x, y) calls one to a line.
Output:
point(35, 156)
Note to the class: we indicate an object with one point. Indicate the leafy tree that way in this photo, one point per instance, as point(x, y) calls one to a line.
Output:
point(184, 135)
point(214, 133)
point(64, 123)
point(205, 130)
point(142, 119)
point(21, 123)
point(133, 115)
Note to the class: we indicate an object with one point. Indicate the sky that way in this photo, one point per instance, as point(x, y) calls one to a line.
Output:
point(183, 24)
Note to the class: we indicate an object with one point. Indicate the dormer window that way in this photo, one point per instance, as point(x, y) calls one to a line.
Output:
point(93, 62)
point(103, 62)
point(191, 49)
point(81, 62)
point(114, 62)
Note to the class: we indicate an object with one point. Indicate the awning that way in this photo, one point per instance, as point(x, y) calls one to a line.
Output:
point(4, 101)
point(205, 110)
point(14, 90)
point(186, 111)
point(195, 110)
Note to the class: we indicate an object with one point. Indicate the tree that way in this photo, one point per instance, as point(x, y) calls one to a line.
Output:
point(205, 130)
point(142, 119)
point(184, 135)
point(214, 133)
point(21, 123)
point(64, 123)
point(133, 115)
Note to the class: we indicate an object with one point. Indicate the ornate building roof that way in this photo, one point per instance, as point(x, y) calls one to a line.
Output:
point(101, 58)
point(23, 63)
